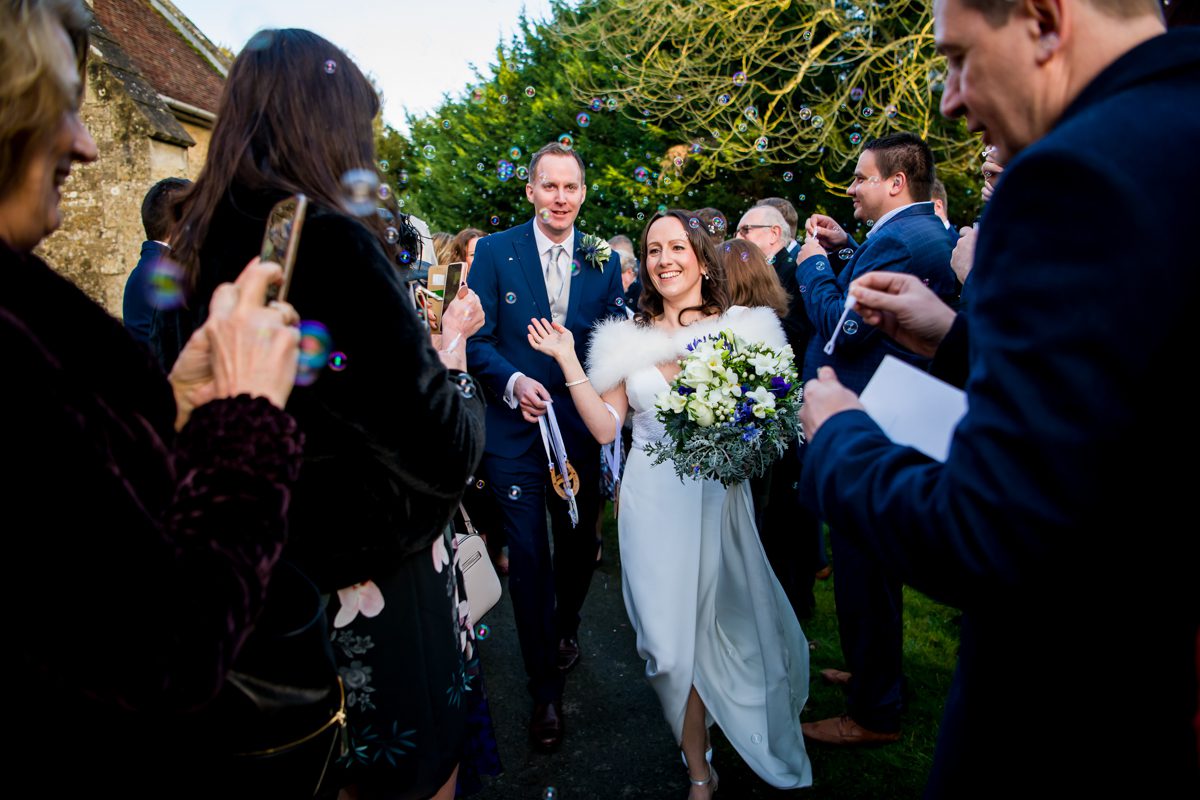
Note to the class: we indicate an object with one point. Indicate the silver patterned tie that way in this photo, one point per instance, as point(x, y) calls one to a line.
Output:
point(555, 283)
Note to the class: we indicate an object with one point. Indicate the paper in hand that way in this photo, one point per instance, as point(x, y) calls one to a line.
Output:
point(913, 407)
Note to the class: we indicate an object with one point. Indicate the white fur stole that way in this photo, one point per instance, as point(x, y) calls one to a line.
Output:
point(620, 347)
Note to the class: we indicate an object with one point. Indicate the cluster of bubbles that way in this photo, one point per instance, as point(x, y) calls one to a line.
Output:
point(360, 187)
point(315, 347)
point(164, 289)
point(505, 169)
point(583, 119)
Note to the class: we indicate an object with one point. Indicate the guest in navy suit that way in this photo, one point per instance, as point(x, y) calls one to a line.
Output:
point(541, 269)
point(891, 191)
point(1075, 438)
point(158, 216)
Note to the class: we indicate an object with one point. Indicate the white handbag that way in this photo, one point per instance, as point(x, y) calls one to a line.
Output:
point(479, 576)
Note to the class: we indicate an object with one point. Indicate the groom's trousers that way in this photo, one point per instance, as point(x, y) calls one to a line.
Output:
point(547, 590)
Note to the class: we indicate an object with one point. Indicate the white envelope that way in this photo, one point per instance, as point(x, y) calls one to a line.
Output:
point(913, 407)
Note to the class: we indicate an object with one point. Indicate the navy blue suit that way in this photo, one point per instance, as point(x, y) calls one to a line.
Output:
point(507, 276)
point(136, 309)
point(913, 241)
point(868, 596)
point(1076, 440)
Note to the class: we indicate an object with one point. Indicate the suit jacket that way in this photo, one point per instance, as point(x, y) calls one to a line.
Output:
point(796, 325)
point(136, 310)
point(913, 241)
point(1061, 522)
point(507, 276)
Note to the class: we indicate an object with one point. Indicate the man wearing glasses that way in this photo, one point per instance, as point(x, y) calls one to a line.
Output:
point(891, 190)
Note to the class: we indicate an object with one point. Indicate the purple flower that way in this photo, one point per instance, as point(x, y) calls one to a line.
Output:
point(751, 434)
point(685, 390)
point(779, 386)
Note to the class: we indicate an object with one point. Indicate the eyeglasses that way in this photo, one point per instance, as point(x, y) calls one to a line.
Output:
point(744, 230)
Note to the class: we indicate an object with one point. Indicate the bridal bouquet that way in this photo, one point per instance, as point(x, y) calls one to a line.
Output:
point(730, 411)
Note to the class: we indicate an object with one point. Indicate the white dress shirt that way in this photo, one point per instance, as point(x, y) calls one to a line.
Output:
point(544, 248)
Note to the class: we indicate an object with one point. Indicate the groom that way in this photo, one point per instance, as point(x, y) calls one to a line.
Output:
point(540, 269)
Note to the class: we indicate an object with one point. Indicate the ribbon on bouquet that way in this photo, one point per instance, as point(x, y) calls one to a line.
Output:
point(612, 455)
point(566, 480)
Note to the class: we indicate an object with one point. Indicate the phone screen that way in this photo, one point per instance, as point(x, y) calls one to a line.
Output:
point(454, 279)
point(282, 239)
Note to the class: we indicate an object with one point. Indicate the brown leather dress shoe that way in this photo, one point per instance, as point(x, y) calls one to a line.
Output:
point(568, 653)
point(546, 727)
point(838, 677)
point(843, 731)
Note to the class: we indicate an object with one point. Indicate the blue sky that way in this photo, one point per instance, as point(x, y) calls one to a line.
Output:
point(415, 50)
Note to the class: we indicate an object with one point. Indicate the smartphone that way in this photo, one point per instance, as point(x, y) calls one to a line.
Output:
point(282, 240)
point(455, 273)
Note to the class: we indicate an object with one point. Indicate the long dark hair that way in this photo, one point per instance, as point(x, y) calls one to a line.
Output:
point(713, 292)
point(295, 116)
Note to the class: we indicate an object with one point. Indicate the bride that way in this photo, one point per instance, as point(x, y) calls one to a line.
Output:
point(719, 637)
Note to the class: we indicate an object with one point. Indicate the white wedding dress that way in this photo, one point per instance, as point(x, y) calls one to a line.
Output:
point(707, 609)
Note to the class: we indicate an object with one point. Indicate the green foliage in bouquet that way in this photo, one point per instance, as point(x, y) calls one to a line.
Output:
point(731, 410)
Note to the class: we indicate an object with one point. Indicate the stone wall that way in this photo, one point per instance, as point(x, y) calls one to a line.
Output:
point(101, 234)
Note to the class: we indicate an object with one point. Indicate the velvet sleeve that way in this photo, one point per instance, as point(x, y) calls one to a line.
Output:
point(392, 436)
point(136, 565)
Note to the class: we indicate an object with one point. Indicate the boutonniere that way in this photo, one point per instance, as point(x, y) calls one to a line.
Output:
point(595, 250)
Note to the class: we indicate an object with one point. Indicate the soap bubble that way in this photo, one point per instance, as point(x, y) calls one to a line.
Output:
point(760, 143)
point(359, 188)
point(845, 253)
point(164, 289)
point(482, 631)
point(530, 91)
point(510, 298)
point(739, 78)
point(787, 177)
point(337, 361)
point(315, 344)
point(850, 327)
point(429, 151)
point(330, 67)
point(855, 137)
point(566, 140)
point(514, 492)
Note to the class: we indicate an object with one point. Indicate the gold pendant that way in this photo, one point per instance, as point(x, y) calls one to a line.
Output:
point(556, 477)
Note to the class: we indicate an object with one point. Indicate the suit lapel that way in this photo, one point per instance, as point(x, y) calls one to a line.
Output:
point(525, 250)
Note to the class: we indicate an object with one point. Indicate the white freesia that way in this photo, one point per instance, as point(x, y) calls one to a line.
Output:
point(764, 363)
point(676, 402)
point(764, 401)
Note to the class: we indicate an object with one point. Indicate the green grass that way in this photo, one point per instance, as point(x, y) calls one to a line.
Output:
point(897, 770)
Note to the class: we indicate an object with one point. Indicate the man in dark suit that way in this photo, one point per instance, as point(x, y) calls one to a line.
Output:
point(542, 269)
point(1075, 436)
point(891, 192)
point(158, 215)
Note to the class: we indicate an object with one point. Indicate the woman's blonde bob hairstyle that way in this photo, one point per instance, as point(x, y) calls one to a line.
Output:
point(35, 90)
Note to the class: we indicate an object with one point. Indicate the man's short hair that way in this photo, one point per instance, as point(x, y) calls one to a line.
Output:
point(623, 244)
point(997, 12)
point(714, 221)
point(785, 208)
point(556, 149)
point(907, 153)
point(158, 207)
point(938, 192)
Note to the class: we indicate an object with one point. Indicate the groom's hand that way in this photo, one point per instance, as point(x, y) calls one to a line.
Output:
point(532, 398)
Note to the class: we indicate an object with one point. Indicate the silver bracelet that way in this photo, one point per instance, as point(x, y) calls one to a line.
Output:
point(569, 384)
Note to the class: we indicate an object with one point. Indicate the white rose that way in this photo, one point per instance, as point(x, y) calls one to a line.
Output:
point(696, 373)
point(700, 413)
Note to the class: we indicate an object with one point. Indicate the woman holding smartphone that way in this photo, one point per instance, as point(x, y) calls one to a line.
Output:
point(394, 427)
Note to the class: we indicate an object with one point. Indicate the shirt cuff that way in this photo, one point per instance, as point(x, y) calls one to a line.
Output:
point(509, 400)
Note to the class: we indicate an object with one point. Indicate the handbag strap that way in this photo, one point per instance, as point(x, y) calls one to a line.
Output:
point(467, 520)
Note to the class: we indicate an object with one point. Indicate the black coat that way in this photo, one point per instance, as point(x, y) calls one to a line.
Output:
point(136, 559)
